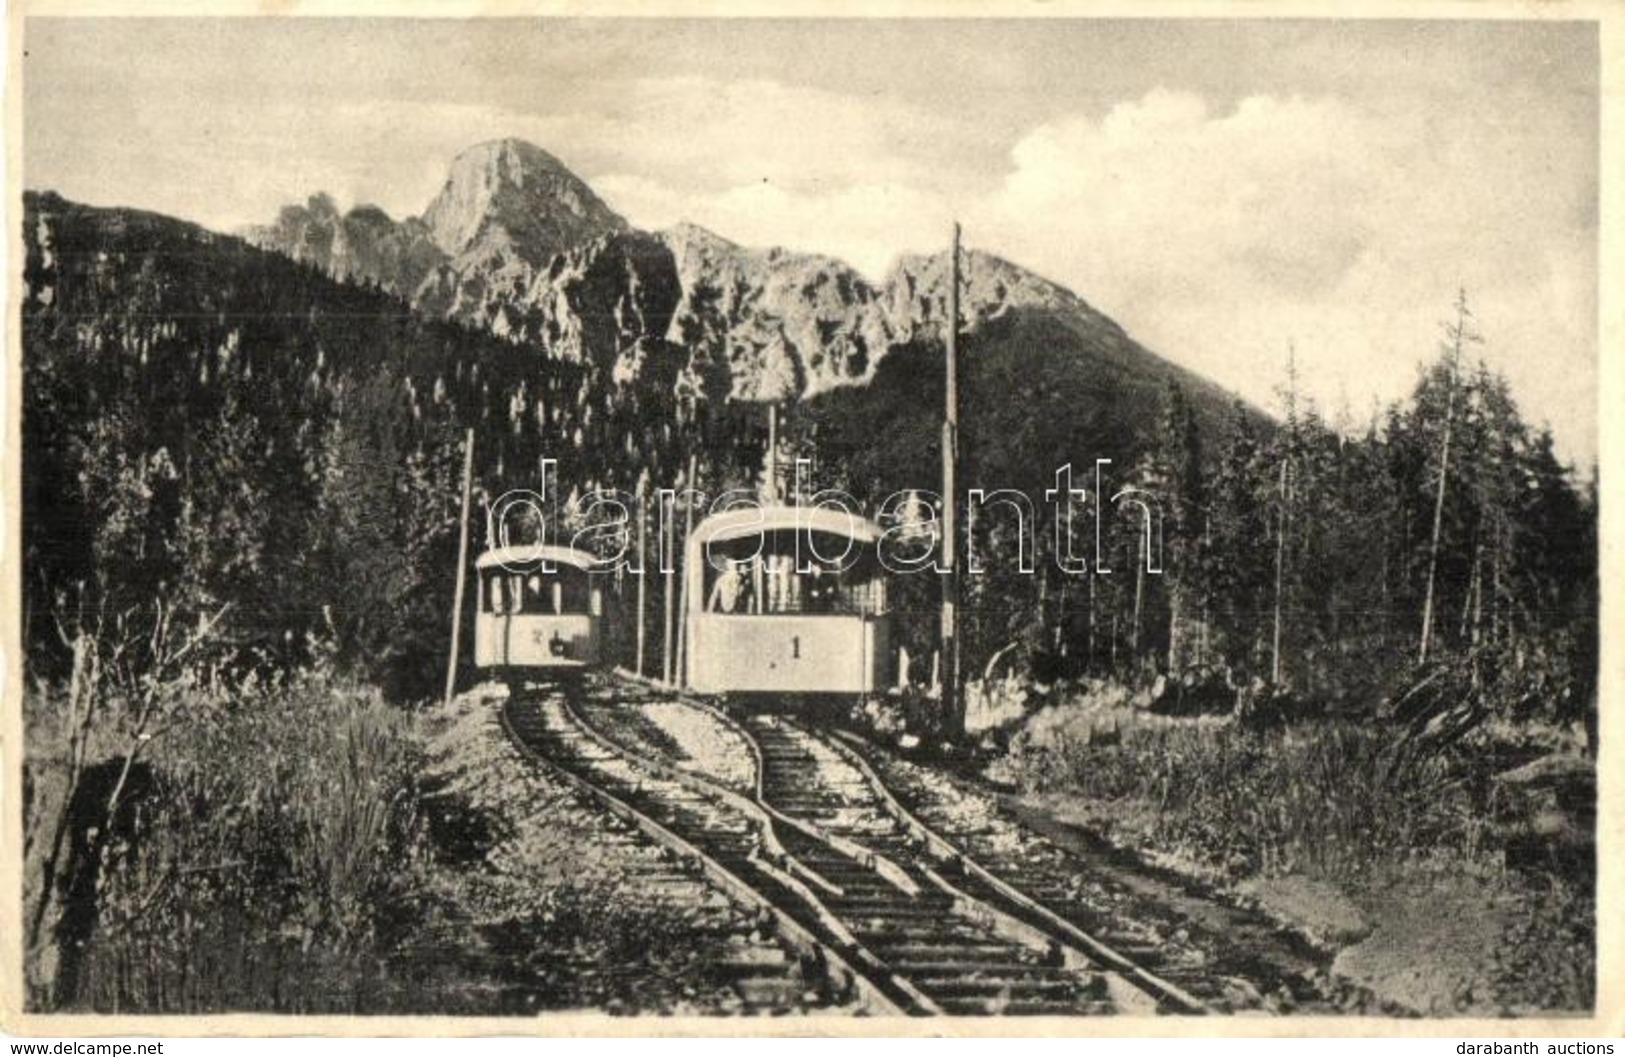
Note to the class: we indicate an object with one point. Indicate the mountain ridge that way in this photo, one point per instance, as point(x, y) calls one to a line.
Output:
point(516, 244)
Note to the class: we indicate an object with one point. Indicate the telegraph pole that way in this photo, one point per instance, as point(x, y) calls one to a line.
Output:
point(643, 574)
point(668, 548)
point(950, 543)
point(681, 559)
point(772, 454)
point(462, 567)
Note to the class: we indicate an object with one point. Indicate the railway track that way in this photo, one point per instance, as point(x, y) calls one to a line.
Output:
point(817, 887)
point(763, 982)
point(818, 775)
point(820, 840)
point(1231, 958)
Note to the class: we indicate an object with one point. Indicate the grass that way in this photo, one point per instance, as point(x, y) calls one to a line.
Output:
point(249, 865)
point(305, 847)
point(1426, 837)
point(1326, 800)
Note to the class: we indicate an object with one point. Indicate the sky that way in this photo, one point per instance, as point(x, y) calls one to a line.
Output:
point(1227, 190)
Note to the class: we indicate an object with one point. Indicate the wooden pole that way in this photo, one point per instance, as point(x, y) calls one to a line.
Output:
point(462, 566)
point(643, 578)
point(668, 536)
point(950, 543)
point(1139, 595)
point(682, 595)
point(1089, 647)
point(772, 454)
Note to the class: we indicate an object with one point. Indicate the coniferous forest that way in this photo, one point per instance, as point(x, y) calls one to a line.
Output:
point(240, 498)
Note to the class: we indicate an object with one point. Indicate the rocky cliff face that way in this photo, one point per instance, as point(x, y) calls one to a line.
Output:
point(513, 197)
point(785, 324)
point(506, 210)
point(363, 244)
point(517, 244)
point(917, 292)
point(795, 325)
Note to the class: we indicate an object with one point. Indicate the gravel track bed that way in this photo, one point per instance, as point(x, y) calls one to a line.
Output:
point(541, 899)
point(1259, 967)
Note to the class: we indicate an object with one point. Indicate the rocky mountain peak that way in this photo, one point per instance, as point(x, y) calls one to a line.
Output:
point(516, 243)
point(519, 194)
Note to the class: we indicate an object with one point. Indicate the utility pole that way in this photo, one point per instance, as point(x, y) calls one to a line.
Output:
point(668, 544)
point(462, 566)
point(643, 575)
point(682, 589)
point(772, 454)
point(1283, 519)
point(950, 458)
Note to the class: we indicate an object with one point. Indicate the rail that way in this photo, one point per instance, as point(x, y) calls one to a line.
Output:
point(997, 919)
point(946, 849)
point(724, 878)
point(1008, 915)
point(874, 969)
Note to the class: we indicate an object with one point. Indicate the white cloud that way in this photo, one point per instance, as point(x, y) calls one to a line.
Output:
point(864, 224)
point(1218, 238)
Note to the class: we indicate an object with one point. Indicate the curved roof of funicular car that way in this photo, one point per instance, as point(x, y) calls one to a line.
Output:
point(755, 521)
point(525, 558)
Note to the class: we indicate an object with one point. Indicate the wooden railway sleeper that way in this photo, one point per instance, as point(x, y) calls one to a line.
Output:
point(851, 984)
point(1123, 967)
point(876, 967)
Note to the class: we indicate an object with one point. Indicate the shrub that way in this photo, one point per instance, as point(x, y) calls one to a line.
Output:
point(1327, 799)
point(259, 860)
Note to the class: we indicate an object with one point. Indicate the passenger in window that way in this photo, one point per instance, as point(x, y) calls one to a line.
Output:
point(750, 593)
point(820, 591)
point(793, 600)
point(727, 591)
point(781, 577)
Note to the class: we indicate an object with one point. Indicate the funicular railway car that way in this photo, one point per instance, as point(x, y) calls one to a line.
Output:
point(540, 613)
point(786, 600)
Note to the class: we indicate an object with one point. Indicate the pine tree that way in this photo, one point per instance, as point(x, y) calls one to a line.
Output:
point(1457, 334)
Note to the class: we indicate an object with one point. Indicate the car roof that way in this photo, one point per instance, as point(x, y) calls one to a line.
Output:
point(756, 520)
point(520, 558)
